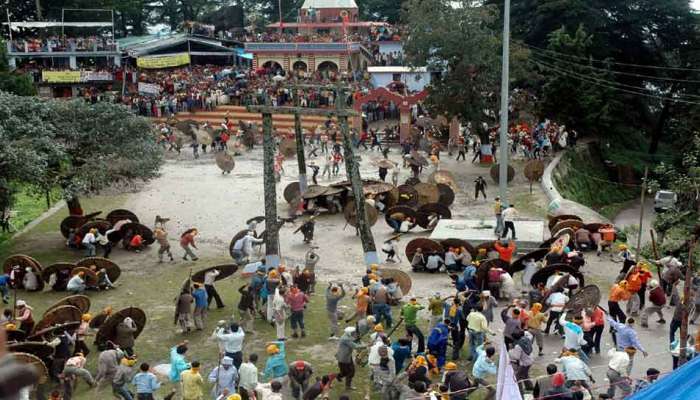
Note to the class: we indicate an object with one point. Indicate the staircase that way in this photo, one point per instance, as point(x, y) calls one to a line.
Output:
point(281, 122)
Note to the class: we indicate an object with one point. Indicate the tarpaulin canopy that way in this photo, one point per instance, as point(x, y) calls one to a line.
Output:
point(681, 383)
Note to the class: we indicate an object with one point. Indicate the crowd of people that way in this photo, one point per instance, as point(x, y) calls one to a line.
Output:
point(57, 44)
point(373, 34)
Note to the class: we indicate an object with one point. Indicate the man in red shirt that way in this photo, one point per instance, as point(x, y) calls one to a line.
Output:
point(505, 253)
point(297, 303)
point(187, 241)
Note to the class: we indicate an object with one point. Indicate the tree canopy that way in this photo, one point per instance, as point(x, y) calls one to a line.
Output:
point(80, 147)
point(10, 82)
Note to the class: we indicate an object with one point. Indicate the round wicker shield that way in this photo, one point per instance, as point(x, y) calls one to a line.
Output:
point(534, 169)
point(291, 192)
point(113, 270)
point(108, 330)
point(78, 301)
point(145, 232)
point(563, 237)
point(519, 264)
point(436, 208)
point(483, 270)
point(101, 225)
point(443, 177)
point(21, 260)
point(288, 148)
point(117, 215)
point(567, 223)
point(412, 181)
point(30, 359)
point(203, 137)
point(459, 243)
point(543, 274)
point(399, 276)
point(225, 270)
point(495, 173)
point(486, 245)
point(376, 188)
point(71, 222)
point(447, 195)
point(587, 297)
point(90, 277)
point(399, 213)
point(555, 220)
point(54, 268)
point(57, 316)
point(225, 161)
point(39, 349)
point(314, 191)
point(16, 335)
point(427, 193)
point(594, 227)
point(371, 214)
point(408, 196)
point(49, 333)
point(235, 238)
point(428, 246)
point(392, 197)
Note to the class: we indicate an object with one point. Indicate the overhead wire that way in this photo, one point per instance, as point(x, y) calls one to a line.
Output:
point(611, 62)
point(539, 53)
point(611, 85)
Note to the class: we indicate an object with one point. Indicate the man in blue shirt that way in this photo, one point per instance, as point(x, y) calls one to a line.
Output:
point(4, 281)
point(626, 336)
point(145, 382)
point(483, 367)
point(200, 306)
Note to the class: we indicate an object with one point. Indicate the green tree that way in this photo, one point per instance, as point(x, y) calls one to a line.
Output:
point(11, 82)
point(81, 147)
point(458, 39)
point(380, 10)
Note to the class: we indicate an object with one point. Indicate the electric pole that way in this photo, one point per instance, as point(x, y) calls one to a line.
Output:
point(503, 166)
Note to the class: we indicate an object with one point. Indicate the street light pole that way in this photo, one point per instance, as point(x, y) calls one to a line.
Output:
point(503, 165)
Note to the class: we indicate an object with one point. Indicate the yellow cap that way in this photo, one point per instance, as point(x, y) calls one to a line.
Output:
point(450, 366)
point(86, 317)
point(273, 349)
point(379, 328)
point(234, 396)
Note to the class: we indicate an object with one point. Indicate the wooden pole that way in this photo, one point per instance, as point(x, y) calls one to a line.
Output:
point(656, 252)
point(687, 301)
point(271, 227)
point(301, 160)
point(641, 215)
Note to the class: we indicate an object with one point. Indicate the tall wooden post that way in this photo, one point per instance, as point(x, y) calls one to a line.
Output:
point(353, 172)
point(272, 258)
point(299, 134)
point(687, 301)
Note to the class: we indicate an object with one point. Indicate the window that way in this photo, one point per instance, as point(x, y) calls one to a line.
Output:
point(396, 77)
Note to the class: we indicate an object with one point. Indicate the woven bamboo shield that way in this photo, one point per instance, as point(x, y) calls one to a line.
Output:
point(572, 224)
point(534, 169)
point(51, 332)
point(145, 232)
point(288, 148)
point(594, 227)
point(108, 330)
point(90, 277)
point(486, 245)
point(23, 261)
point(203, 137)
point(519, 264)
point(291, 192)
point(428, 246)
point(543, 274)
point(427, 193)
point(30, 359)
point(102, 226)
point(555, 220)
point(392, 197)
point(57, 316)
point(225, 270)
point(350, 213)
point(425, 211)
point(412, 181)
point(587, 297)
point(113, 270)
point(16, 335)
point(408, 196)
point(39, 349)
point(495, 173)
point(459, 243)
point(235, 238)
point(376, 188)
point(54, 268)
point(225, 161)
point(399, 213)
point(447, 195)
point(79, 301)
point(76, 221)
point(120, 214)
point(483, 270)
point(314, 191)
point(399, 277)
point(443, 177)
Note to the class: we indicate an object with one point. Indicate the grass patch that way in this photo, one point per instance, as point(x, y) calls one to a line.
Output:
point(27, 206)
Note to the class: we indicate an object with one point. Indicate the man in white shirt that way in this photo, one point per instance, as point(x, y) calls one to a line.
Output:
point(89, 243)
point(212, 294)
point(232, 341)
point(556, 302)
point(434, 262)
point(617, 370)
point(248, 376)
point(509, 215)
point(243, 248)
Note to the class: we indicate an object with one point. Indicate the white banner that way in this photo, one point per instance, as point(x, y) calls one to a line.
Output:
point(149, 88)
point(91, 76)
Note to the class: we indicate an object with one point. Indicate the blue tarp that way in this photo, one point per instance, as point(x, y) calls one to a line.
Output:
point(683, 383)
point(243, 54)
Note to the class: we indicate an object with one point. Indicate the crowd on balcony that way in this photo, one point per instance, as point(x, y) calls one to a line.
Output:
point(394, 58)
point(56, 44)
point(374, 34)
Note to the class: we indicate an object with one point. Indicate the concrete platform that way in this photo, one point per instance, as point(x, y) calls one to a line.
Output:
point(530, 233)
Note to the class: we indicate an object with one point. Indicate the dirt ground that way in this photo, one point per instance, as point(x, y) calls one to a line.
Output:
point(194, 193)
